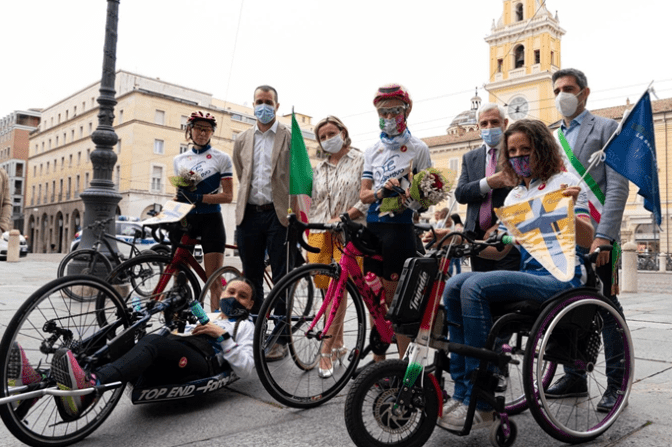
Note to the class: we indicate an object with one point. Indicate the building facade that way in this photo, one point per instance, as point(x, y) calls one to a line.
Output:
point(15, 131)
point(150, 122)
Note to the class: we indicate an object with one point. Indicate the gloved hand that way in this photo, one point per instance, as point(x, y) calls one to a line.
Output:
point(188, 197)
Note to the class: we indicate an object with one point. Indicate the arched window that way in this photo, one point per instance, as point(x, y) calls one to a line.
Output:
point(519, 12)
point(519, 56)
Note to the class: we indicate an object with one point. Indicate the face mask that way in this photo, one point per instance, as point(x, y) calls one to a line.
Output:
point(333, 145)
point(232, 308)
point(521, 165)
point(393, 126)
point(566, 103)
point(492, 136)
point(264, 113)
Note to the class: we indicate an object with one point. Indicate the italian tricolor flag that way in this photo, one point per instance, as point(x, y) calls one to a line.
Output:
point(300, 174)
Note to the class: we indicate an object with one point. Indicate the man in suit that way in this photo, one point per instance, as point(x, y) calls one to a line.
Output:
point(483, 187)
point(261, 159)
point(580, 135)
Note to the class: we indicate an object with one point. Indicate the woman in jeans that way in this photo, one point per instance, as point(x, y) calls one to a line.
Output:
point(532, 153)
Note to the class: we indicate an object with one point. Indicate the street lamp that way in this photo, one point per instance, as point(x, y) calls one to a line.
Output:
point(100, 198)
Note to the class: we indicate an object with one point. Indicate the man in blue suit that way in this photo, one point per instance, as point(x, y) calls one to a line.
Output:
point(580, 135)
point(483, 186)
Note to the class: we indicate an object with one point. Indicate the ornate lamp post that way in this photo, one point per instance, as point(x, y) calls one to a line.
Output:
point(100, 198)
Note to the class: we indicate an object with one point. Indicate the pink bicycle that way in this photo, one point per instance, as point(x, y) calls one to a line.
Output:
point(309, 320)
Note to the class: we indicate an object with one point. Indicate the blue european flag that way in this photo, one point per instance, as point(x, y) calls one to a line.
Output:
point(632, 153)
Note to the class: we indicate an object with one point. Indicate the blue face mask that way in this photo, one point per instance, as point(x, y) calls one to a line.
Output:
point(264, 113)
point(232, 308)
point(492, 136)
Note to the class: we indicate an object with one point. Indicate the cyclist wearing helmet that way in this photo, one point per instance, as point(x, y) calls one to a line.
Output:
point(214, 188)
point(394, 157)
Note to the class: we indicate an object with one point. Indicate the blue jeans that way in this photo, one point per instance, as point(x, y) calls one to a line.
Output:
point(457, 262)
point(467, 298)
point(261, 231)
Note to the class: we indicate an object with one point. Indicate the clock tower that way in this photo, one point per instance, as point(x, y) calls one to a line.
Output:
point(524, 54)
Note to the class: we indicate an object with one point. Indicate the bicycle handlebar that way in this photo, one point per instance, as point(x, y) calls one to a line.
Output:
point(352, 231)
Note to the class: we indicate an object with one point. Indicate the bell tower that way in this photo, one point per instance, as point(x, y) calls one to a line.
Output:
point(524, 54)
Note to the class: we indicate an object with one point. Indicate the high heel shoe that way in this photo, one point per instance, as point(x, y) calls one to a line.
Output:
point(326, 373)
point(338, 354)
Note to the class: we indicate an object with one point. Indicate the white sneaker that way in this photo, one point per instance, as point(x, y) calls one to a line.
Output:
point(456, 419)
point(448, 408)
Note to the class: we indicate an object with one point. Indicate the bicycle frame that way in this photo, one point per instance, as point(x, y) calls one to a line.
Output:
point(180, 256)
point(350, 269)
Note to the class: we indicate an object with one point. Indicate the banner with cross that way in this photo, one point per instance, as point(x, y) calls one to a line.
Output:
point(545, 227)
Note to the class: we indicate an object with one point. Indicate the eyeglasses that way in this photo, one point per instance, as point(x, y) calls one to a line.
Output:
point(203, 129)
point(394, 111)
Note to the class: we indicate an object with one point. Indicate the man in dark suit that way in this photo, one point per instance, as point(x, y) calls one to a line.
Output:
point(483, 186)
point(580, 135)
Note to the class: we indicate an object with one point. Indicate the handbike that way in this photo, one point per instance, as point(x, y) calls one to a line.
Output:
point(50, 319)
point(398, 402)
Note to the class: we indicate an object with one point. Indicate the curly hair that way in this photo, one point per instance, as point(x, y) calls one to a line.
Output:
point(545, 159)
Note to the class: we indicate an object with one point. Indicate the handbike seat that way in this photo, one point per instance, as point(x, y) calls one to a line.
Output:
point(525, 307)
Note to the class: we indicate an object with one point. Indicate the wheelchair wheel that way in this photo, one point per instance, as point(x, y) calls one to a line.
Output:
point(146, 277)
point(514, 394)
point(569, 332)
point(284, 318)
point(222, 276)
point(83, 262)
point(370, 416)
point(50, 319)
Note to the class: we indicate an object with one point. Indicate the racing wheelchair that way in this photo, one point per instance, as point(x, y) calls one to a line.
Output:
point(51, 319)
point(395, 402)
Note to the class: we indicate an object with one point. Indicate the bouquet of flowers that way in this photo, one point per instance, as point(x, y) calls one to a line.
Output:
point(186, 179)
point(428, 188)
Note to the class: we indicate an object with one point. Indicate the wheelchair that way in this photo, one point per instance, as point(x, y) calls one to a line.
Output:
point(531, 343)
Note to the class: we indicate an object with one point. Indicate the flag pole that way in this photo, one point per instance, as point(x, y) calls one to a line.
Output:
point(599, 155)
point(287, 239)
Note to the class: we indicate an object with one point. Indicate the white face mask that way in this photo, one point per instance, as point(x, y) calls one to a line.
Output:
point(333, 145)
point(566, 103)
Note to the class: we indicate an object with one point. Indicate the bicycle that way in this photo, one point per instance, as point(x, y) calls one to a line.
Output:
point(94, 260)
point(398, 402)
point(146, 277)
point(295, 313)
point(49, 320)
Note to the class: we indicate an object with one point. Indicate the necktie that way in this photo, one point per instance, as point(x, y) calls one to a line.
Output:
point(485, 214)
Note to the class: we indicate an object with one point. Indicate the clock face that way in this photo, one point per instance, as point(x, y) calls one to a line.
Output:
point(518, 108)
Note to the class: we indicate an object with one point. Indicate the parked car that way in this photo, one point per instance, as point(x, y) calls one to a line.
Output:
point(4, 243)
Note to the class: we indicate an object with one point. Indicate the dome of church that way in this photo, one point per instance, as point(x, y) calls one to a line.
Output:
point(468, 118)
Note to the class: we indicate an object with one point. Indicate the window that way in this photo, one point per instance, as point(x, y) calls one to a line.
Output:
point(59, 118)
point(83, 106)
point(157, 175)
point(159, 117)
point(72, 135)
point(234, 135)
point(69, 188)
point(158, 147)
point(183, 122)
point(60, 190)
point(74, 111)
point(117, 176)
point(40, 169)
point(47, 167)
point(56, 141)
point(32, 197)
point(34, 171)
point(519, 12)
point(237, 117)
point(63, 163)
point(553, 58)
point(119, 146)
point(39, 194)
point(79, 158)
point(537, 56)
point(43, 146)
point(88, 155)
point(86, 180)
point(519, 56)
point(500, 65)
point(81, 131)
point(121, 116)
point(90, 128)
point(49, 147)
point(37, 147)
point(183, 148)
point(77, 186)
point(70, 160)
point(454, 165)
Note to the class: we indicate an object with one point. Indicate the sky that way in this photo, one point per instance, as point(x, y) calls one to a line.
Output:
point(324, 58)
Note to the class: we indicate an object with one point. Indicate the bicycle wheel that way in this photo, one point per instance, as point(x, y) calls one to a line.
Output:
point(569, 332)
point(84, 262)
point(49, 319)
point(222, 276)
point(147, 277)
point(370, 414)
point(294, 380)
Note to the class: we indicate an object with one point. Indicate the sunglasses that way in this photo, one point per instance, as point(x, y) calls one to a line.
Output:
point(203, 129)
point(382, 111)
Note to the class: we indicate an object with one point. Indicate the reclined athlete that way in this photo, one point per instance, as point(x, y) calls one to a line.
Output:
point(173, 358)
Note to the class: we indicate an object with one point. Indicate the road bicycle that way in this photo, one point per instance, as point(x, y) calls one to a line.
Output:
point(50, 319)
point(101, 258)
point(303, 317)
point(397, 402)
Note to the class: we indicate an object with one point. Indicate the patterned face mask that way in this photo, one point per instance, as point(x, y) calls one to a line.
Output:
point(521, 165)
point(393, 126)
point(264, 113)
